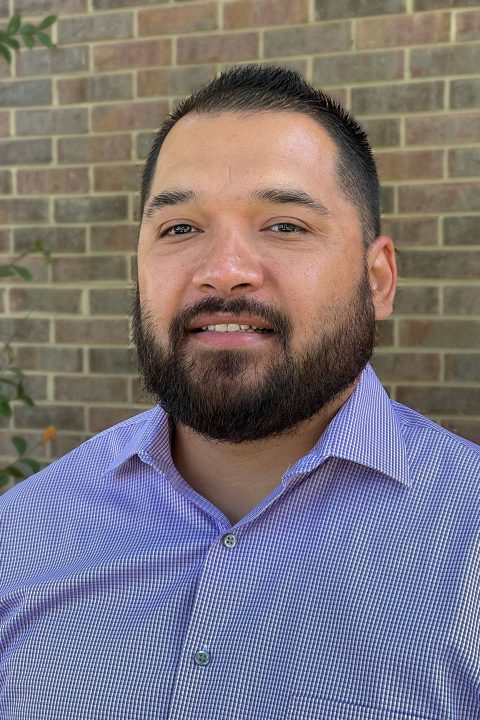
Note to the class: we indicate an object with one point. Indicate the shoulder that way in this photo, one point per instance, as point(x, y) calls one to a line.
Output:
point(83, 465)
point(435, 451)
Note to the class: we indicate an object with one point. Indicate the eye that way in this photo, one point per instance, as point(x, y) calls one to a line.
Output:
point(179, 229)
point(286, 227)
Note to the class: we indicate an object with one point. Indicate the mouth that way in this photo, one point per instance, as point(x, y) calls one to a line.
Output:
point(232, 328)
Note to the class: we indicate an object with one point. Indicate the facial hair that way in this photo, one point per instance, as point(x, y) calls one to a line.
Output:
point(234, 395)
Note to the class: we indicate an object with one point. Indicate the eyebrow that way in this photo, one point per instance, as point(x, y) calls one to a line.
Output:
point(169, 198)
point(291, 196)
point(278, 196)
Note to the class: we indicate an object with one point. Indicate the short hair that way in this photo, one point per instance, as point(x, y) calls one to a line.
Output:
point(259, 88)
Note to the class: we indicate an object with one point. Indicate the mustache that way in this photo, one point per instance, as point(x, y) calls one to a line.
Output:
point(234, 306)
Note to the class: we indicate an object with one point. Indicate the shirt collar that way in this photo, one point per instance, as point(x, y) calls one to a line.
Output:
point(365, 431)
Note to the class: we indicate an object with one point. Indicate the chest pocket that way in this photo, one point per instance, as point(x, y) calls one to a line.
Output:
point(315, 708)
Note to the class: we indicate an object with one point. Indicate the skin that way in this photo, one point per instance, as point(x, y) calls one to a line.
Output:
point(237, 247)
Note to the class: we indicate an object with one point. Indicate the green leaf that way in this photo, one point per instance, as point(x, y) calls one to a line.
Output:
point(14, 472)
point(6, 270)
point(13, 43)
point(4, 478)
point(45, 39)
point(28, 28)
point(15, 370)
point(14, 24)
point(20, 444)
point(23, 272)
point(47, 22)
point(22, 395)
point(29, 40)
point(5, 408)
point(6, 53)
point(34, 465)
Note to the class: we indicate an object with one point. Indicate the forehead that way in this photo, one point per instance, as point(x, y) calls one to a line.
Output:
point(228, 147)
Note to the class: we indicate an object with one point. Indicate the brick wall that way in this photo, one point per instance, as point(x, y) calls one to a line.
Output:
point(75, 126)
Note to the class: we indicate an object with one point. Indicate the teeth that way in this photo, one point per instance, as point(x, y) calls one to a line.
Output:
point(231, 327)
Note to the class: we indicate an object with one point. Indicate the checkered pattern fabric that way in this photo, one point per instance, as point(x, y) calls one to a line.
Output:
point(352, 592)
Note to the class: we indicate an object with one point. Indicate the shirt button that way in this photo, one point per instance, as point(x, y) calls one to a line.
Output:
point(229, 540)
point(202, 658)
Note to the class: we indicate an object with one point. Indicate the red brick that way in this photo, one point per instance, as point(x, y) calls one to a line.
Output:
point(4, 124)
point(468, 25)
point(462, 367)
point(173, 80)
point(112, 361)
point(22, 210)
point(49, 358)
point(443, 129)
point(461, 300)
point(463, 230)
point(5, 236)
point(416, 300)
point(52, 181)
point(100, 208)
point(314, 39)
point(382, 132)
point(468, 428)
point(398, 98)
point(412, 230)
point(409, 165)
point(114, 238)
point(400, 31)
point(464, 162)
point(110, 178)
point(257, 13)
point(114, 301)
point(94, 267)
point(111, 26)
point(217, 48)
point(385, 330)
point(25, 330)
point(101, 418)
point(45, 7)
point(5, 182)
point(440, 264)
point(36, 264)
point(131, 116)
point(178, 19)
point(434, 400)
point(452, 60)
point(45, 300)
point(94, 149)
point(43, 61)
point(439, 333)
point(372, 66)
point(119, 56)
point(91, 332)
point(90, 389)
point(68, 417)
point(354, 8)
point(56, 239)
point(439, 197)
point(404, 366)
point(97, 88)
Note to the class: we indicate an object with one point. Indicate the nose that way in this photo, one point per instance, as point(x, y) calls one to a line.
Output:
point(229, 265)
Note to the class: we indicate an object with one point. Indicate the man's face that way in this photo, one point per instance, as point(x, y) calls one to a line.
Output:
point(246, 226)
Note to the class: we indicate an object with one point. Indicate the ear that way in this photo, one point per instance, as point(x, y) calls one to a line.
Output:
point(382, 269)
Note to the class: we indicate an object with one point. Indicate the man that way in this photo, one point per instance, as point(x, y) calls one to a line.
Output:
point(276, 539)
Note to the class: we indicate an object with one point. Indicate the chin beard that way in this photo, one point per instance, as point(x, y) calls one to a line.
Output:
point(231, 395)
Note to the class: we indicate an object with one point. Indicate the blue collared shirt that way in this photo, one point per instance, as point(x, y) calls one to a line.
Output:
point(351, 592)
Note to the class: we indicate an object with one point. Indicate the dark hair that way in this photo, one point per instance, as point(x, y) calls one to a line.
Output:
point(248, 88)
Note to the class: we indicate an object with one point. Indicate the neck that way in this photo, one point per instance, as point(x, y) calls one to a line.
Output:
point(237, 477)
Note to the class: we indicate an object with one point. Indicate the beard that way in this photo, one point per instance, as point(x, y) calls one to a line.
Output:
point(229, 395)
